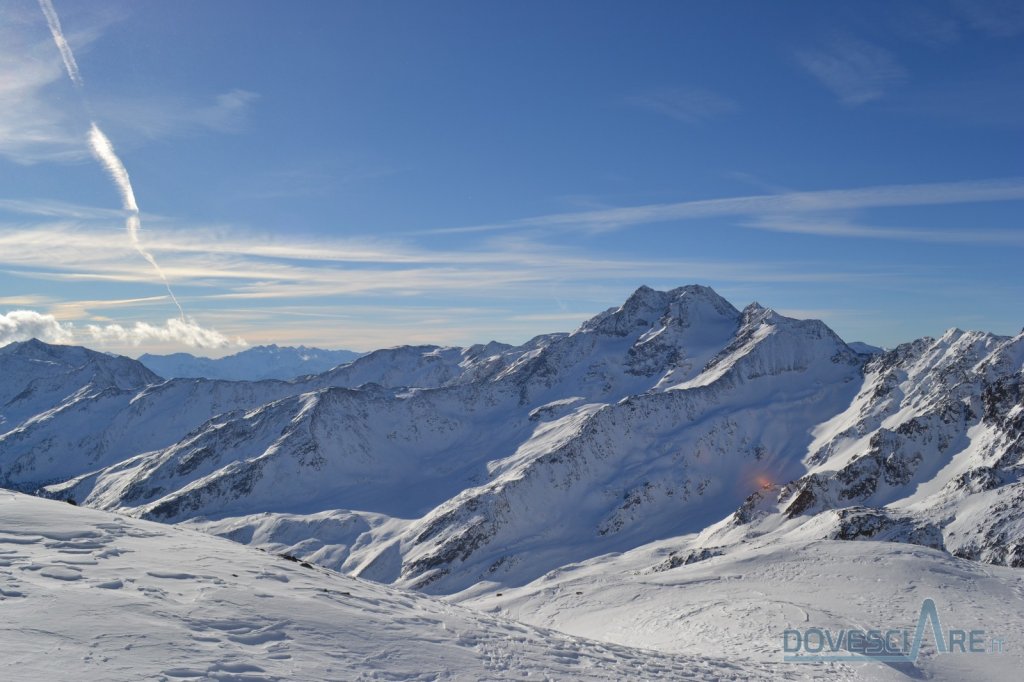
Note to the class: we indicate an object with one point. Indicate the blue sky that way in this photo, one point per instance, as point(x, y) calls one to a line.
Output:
point(365, 174)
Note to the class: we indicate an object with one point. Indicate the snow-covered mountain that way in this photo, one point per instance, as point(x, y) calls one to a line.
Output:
point(251, 364)
point(36, 377)
point(674, 438)
point(73, 411)
point(929, 452)
point(673, 417)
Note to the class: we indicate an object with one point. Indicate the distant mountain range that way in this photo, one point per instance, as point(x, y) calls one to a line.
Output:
point(674, 418)
point(252, 364)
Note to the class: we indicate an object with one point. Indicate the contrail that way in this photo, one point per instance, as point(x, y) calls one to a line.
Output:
point(58, 37)
point(104, 152)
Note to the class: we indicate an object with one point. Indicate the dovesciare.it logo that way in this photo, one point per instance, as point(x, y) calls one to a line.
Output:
point(886, 645)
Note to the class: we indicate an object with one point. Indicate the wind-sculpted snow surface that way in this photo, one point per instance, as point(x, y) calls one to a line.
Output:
point(742, 604)
point(88, 595)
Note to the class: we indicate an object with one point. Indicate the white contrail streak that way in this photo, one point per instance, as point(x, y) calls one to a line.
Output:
point(104, 152)
point(58, 37)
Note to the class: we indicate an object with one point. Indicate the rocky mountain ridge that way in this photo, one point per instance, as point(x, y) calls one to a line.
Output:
point(674, 415)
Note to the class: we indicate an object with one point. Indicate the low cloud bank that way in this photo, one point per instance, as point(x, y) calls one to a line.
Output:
point(22, 325)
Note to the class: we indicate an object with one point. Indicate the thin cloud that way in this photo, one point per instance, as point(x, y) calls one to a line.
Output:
point(104, 152)
point(163, 116)
point(856, 71)
point(37, 124)
point(998, 18)
point(32, 127)
point(229, 268)
point(927, 25)
point(51, 208)
point(53, 21)
point(686, 105)
point(934, 194)
point(831, 228)
point(73, 310)
point(248, 267)
point(227, 113)
point(21, 301)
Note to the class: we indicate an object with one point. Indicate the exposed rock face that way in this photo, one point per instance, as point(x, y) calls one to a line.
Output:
point(929, 452)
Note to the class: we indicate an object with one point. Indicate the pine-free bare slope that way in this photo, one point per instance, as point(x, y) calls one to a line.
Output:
point(89, 595)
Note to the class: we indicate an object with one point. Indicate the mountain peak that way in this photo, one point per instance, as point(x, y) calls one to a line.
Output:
point(646, 306)
point(30, 347)
point(756, 314)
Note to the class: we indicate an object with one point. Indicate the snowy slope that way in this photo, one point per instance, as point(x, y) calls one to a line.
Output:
point(673, 416)
point(742, 603)
point(654, 419)
point(252, 364)
point(924, 447)
point(425, 366)
point(36, 377)
point(73, 412)
point(365, 449)
point(87, 595)
point(929, 452)
point(651, 466)
point(96, 429)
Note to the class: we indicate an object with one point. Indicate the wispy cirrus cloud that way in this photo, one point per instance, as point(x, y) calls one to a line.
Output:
point(226, 263)
point(40, 123)
point(86, 309)
point(999, 18)
point(22, 301)
point(926, 24)
point(32, 127)
point(244, 265)
point(51, 208)
point(944, 24)
point(855, 70)
point(162, 116)
point(786, 203)
point(684, 104)
point(264, 276)
point(837, 228)
point(277, 289)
